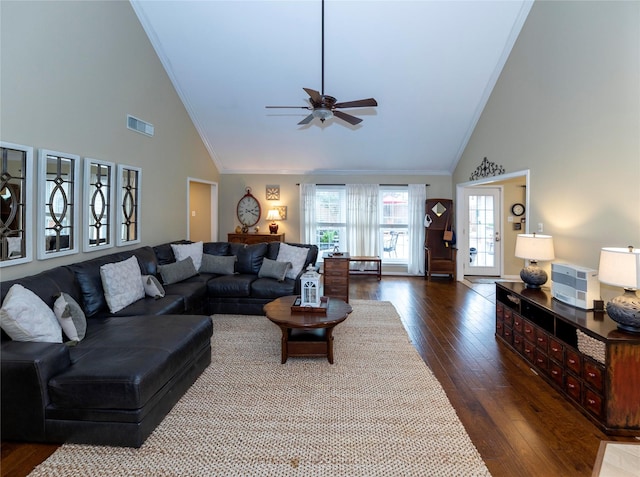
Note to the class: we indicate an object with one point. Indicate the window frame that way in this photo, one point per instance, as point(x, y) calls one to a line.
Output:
point(121, 204)
point(74, 212)
point(88, 210)
point(27, 204)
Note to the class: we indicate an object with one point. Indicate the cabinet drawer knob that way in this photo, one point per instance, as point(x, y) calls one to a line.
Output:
point(591, 375)
point(572, 361)
point(571, 386)
point(554, 372)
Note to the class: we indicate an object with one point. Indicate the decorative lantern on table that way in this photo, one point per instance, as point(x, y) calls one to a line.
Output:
point(310, 288)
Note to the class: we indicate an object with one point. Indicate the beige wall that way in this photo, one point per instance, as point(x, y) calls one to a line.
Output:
point(232, 188)
point(567, 107)
point(71, 72)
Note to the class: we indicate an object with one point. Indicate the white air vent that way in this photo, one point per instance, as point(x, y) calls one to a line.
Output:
point(139, 125)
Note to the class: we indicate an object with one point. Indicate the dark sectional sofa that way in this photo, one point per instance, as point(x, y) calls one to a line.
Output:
point(117, 384)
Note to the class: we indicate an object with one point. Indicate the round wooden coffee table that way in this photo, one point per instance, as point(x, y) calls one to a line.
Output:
point(306, 333)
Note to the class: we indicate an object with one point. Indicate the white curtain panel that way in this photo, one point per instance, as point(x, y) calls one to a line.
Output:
point(417, 197)
point(363, 233)
point(308, 213)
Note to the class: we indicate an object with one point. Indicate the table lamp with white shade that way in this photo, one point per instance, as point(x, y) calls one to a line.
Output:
point(620, 267)
point(534, 247)
point(273, 215)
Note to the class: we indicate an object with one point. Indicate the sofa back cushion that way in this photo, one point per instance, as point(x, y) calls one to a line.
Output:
point(164, 253)
point(312, 253)
point(250, 257)
point(89, 281)
point(47, 285)
point(216, 248)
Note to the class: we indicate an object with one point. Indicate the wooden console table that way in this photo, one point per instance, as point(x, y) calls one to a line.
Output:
point(251, 239)
point(364, 259)
point(580, 353)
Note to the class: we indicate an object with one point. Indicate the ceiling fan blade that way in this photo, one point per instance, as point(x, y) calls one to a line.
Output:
point(314, 95)
point(294, 107)
point(347, 117)
point(306, 120)
point(361, 103)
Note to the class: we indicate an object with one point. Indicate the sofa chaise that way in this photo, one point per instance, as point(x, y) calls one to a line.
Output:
point(116, 384)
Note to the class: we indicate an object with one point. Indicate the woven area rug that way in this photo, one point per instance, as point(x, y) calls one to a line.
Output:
point(378, 411)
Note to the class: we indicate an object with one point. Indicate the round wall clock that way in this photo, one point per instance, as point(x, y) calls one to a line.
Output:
point(517, 209)
point(248, 209)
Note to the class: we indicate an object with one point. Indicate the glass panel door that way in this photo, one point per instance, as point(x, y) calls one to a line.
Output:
point(483, 224)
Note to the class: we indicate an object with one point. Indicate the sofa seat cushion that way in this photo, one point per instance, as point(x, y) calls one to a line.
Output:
point(168, 304)
point(193, 290)
point(271, 288)
point(124, 361)
point(238, 285)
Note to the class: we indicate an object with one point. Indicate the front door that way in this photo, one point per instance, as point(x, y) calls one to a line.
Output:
point(483, 251)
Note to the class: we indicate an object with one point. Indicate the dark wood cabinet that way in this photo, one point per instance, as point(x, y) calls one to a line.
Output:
point(580, 353)
point(336, 276)
point(439, 256)
point(251, 239)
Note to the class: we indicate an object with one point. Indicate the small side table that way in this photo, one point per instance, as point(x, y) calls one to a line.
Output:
point(336, 275)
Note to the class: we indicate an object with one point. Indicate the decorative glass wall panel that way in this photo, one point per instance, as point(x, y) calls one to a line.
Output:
point(16, 177)
point(129, 180)
point(58, 213)
point(98, 204)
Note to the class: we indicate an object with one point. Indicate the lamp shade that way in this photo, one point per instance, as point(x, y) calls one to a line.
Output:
point(274, 214)
point(534, 247)
point(620, 267)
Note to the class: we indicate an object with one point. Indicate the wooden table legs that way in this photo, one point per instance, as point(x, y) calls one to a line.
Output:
point(307, 342)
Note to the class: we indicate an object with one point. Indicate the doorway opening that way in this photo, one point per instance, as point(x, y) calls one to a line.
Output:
point(202, 210)
point(500, 227)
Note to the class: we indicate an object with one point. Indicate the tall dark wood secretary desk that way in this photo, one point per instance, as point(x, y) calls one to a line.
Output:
point(439, 256)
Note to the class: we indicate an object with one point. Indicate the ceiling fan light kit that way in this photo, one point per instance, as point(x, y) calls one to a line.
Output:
point(325, 107)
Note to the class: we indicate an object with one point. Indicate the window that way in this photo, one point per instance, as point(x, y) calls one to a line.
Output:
point(394, 223)
point(331, 215)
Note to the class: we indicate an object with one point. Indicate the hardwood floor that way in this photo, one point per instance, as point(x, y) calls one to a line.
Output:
point(520, 425)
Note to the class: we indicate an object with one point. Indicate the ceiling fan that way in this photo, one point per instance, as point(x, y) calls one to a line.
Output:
point(324, 106)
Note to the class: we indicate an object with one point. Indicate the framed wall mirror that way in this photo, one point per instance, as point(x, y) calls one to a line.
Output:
point(98, 210)
point(129, 184)
point(16, 204)
point(58, 183)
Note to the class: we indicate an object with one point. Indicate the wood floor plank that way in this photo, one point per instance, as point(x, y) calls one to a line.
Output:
point(517, 421)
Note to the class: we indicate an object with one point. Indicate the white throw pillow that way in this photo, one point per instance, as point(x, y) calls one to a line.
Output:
point(122, 283)
point(193, 250)
point(152, 286)
point(71, 317)
point(296, 255)
point(25, 317)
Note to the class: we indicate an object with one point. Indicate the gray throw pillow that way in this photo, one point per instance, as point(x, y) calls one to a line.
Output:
point(274, 269)
point(220, 264)
point(177, 271)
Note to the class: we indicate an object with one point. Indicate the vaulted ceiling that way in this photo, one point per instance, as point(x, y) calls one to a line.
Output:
point(431, 65)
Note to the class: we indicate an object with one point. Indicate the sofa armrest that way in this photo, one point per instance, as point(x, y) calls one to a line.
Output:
point(25, 372)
